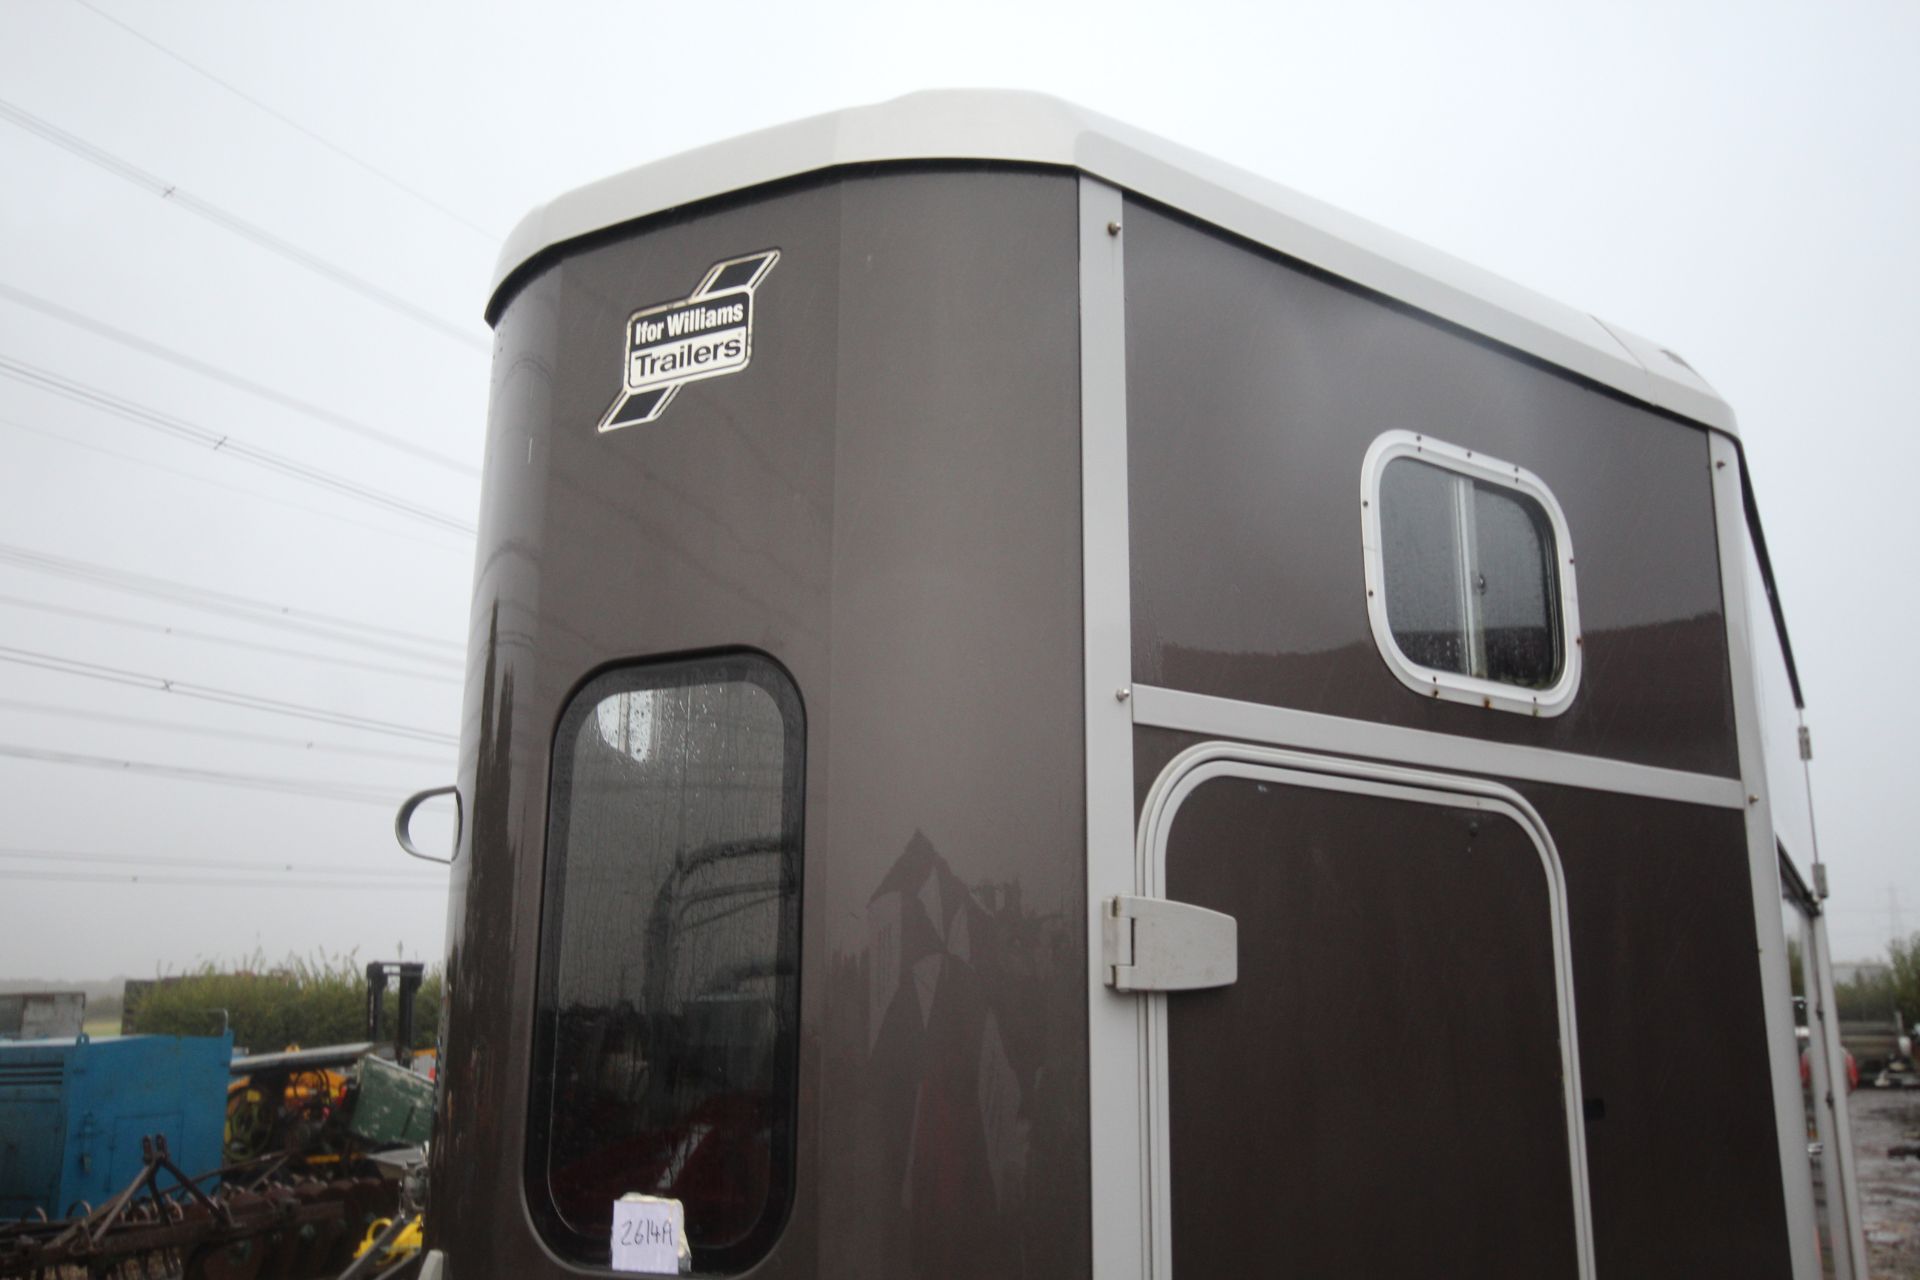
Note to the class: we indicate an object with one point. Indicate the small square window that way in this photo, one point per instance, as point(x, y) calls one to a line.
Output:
point(1469, 576)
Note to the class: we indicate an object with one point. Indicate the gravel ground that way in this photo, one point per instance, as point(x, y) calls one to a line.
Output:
point(1889, 1189)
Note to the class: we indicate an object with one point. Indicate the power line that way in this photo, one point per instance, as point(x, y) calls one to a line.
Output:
point(230, 604)
point(167, 424)
point(223, 882)
point(293, 124)
point(208, 731)
point(115, 675)
point(249, 494)
point(239, 226)
point(184, 633)
point(217, 864)
point(347, 792)
point(101, 329)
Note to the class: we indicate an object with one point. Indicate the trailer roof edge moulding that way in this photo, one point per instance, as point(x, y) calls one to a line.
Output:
point(1032, 128)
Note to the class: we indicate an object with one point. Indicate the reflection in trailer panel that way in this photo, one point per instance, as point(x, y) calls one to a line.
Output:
point(1034, 710)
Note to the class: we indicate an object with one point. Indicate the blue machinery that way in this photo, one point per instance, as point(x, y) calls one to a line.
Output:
point(73, 1112)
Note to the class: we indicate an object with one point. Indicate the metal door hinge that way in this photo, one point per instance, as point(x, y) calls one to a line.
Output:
point(1151, 944)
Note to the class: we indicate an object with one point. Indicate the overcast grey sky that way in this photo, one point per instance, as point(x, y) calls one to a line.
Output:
point(291, 266)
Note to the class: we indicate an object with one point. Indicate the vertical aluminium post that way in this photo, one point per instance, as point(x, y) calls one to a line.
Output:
point(1776, 991)
point(1837, 1127)
point(1116, 1090)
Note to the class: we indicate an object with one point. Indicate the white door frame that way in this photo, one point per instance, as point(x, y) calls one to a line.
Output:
point(1207, 761)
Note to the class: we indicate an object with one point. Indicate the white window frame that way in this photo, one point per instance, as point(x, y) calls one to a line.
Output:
point(1451, 686)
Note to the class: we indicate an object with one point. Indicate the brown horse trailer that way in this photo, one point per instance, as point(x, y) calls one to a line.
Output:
point(1033, 711)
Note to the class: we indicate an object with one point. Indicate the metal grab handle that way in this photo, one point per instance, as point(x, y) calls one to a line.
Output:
point(403, 823)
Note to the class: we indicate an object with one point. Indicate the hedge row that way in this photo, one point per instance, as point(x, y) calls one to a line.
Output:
point(1876, 994)
point(306, 1002)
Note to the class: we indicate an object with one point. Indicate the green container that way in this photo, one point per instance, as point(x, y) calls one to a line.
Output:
point(395, 1107)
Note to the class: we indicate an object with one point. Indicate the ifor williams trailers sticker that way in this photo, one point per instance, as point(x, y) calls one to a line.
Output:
point(707, 334)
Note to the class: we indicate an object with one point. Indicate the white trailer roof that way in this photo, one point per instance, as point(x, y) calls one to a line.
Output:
point(1031, 128)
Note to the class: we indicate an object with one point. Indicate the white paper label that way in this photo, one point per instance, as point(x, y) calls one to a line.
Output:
point(647, 1231)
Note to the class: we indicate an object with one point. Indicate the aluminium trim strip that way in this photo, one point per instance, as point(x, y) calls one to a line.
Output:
point(1202, 763)
point(1844, 1173)
point(1116, 1085)
point(1763, 863)
point(1806, 914)
point(1313, 731)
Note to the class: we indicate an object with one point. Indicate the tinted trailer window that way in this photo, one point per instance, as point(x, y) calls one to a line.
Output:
point(664, 1058)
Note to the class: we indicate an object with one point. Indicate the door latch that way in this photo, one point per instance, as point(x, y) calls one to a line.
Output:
point(1151, 944)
